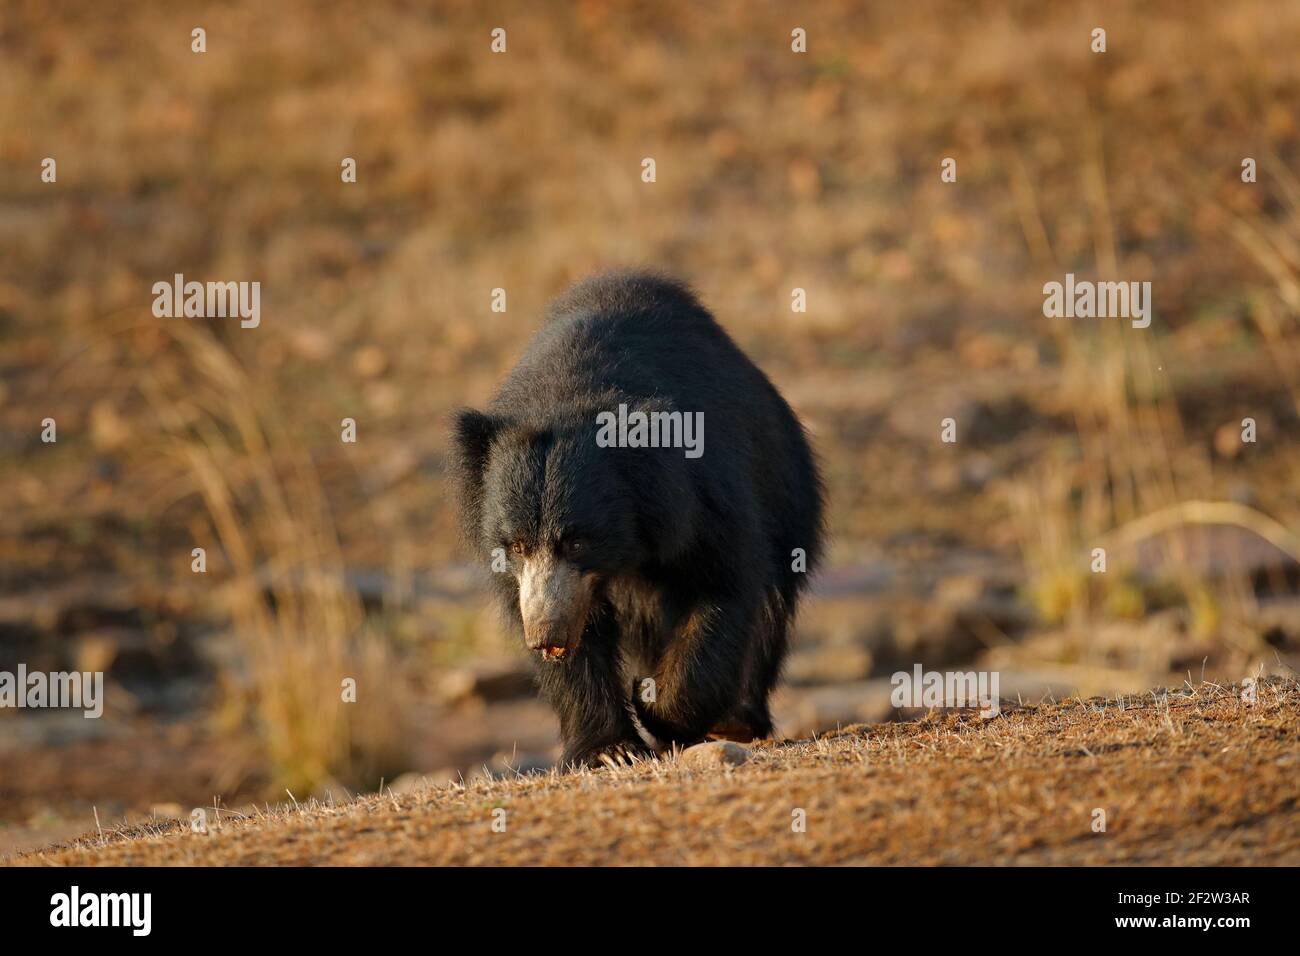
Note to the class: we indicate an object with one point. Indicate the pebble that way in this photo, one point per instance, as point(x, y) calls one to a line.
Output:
point(713, 755)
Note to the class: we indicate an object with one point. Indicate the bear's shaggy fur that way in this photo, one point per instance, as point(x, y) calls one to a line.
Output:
point(653, 586)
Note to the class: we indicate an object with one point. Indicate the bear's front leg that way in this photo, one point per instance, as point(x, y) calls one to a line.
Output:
point(697, 681)
point(595, 717)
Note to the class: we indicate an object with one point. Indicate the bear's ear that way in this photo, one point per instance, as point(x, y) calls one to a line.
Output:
point(472, 437)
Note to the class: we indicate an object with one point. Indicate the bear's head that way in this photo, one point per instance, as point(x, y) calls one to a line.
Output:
point(557, 517)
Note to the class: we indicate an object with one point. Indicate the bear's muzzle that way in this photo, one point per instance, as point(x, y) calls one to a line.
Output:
point(554, 598)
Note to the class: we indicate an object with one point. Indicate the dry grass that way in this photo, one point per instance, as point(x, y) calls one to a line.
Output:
point(1187, 776)
point(272, 543)
point(1134, 474)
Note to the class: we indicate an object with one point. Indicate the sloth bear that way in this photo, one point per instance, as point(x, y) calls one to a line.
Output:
point(653, 577)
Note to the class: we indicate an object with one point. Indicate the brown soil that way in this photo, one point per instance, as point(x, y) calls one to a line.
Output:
point(1188, 776)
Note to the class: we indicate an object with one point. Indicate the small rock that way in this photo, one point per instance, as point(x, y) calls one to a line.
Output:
point(713, 755)
point(960, 589)
point(383, 398)
point(96, 651)
point(370, 361)
point(1227, 440)
point(108, 430)
point(313, 344)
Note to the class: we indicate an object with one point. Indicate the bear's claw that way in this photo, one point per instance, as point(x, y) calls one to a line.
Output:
point(621, 754)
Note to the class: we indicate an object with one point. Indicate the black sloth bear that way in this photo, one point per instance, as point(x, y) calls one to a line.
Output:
point(654, 577)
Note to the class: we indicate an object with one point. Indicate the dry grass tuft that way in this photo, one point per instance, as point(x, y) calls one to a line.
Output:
point(302, 629)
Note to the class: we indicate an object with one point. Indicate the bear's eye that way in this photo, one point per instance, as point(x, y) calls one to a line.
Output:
point(575, 546)
point(517, 547)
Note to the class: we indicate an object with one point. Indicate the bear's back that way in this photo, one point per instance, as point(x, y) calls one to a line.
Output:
point(626, 334)
point(650, 295)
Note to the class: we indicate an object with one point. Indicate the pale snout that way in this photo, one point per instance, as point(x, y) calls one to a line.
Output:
point(554, 598)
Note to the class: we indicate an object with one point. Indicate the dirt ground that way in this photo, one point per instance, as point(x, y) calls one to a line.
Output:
point(1191, 775)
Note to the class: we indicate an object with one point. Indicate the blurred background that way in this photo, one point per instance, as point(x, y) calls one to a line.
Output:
point(522, 171)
